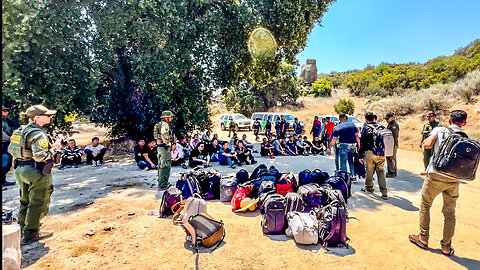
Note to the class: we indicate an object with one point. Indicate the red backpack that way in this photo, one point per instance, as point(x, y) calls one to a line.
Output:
point(240, 194)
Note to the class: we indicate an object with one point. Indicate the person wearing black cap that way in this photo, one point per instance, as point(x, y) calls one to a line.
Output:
point(427, 128)
point(6, 157)
point(392, 161)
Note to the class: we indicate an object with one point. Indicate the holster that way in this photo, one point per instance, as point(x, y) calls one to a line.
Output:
point(44, 168)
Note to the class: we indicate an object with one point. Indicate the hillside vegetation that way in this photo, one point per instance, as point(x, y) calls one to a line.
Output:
point(398, 79)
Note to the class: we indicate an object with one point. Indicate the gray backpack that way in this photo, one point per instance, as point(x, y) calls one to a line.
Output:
point(228, 186)
point(303, 227)
point(294, 202)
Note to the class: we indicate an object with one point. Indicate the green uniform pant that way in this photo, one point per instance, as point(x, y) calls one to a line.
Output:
point(164, 165)
point(431, 188)
point(35, 192)
point(374, 164)
point(392, 163)
point(427, 155)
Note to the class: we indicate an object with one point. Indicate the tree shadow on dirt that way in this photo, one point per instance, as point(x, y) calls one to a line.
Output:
point(33, 252)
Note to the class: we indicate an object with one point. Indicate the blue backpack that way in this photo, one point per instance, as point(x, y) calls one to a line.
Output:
point(242, 176)
point(272, 171)
point(305, 177)
point(259, 171)
point(188, 185)
point(319, 177)
point(338, 183)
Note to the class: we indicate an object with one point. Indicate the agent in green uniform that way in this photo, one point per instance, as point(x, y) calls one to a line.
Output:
point(392, 161)
point(427, 128)
point(163, 133)
point(30, 147)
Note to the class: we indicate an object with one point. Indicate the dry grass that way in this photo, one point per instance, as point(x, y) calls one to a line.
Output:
point(80, 250)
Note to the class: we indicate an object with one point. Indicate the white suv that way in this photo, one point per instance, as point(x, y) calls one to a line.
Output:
point(241, 122)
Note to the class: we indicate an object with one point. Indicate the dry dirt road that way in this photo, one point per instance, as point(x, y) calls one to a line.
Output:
point(98, 200)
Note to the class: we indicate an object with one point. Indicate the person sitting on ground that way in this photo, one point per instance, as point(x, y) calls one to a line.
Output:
point(278, 149)
point(243, 153)
point(248, 144)
point(185, 146)
point(256, 128)
point(71, 155)
point(215, 137)
point(317, 146)
point(95, 152)
point(233, 141)
point(178, 156)
point(194, 142)
point(266, 149)
point(141, 152)
point(227, 156)
point(302, 147)
point(214, 150)
point(199, 156)
point(291, 147)
point(206, 136)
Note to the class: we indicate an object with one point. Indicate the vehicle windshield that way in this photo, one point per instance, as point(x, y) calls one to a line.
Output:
point(353, 120)
point(239, 117)
point(289, 117)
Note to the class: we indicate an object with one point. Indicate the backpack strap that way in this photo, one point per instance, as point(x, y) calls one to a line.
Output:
point(461, 133)
point(175, 218)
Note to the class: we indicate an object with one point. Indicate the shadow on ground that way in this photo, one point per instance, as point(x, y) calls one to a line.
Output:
point(32, 253)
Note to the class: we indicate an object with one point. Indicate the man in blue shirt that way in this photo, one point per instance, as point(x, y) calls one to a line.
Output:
point(347, 135)
point(291, 148)
point(227, 157)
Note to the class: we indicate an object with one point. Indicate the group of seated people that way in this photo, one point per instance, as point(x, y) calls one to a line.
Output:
point(294, 146)
point(71, 154)
point(198, 152)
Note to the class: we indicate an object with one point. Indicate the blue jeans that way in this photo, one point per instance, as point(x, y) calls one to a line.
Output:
point(346, 152)
point(337, 157)
point(143, 164)
point(6, 162)
point(230, 161)
point(214, 157)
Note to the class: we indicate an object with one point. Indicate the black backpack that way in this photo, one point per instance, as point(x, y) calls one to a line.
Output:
point(210, 185)
point(259, 171)
point(242, 176)
point(457, 156)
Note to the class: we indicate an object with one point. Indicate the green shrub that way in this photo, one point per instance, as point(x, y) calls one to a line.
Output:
point(373, 90)
point(344, 105)
point(322, 88)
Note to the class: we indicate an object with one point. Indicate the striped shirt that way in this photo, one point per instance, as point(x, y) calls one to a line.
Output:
point(69, 152)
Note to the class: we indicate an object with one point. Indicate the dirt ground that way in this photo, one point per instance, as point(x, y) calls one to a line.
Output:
point(99, 200)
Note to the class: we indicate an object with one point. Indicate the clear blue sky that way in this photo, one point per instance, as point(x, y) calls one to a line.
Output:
point(360, 32)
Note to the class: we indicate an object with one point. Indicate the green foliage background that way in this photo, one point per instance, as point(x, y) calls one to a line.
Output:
point(396, 79)
point(344, 105)
point(121, 63)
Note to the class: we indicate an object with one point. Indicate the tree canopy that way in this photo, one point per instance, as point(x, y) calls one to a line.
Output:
point(121, 63)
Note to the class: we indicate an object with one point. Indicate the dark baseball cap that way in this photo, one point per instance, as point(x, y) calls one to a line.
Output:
point(431, 114)
point(5, 108)
point(388, 115)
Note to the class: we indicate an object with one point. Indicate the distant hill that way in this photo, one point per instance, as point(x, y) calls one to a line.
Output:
point(388, 79)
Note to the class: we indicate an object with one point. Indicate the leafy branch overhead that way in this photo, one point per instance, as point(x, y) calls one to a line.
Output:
point(121, 63)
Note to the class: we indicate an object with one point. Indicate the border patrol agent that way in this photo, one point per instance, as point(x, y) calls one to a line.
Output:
point(33, 153)
point(392, 161)
point(427, 128)
point(163, 133)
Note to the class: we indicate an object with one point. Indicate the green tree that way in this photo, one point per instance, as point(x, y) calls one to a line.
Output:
point(344, 105)
point(322, 88)
point(357, 82)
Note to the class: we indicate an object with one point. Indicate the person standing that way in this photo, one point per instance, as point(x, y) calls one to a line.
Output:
point(297, 126)
point(316, 127)
point(283, 127)
point(268, 128)
point(392, 161)
point(30, 146)
point(436, 183)
point(256, 129)
point(6, 157)
point(347, 135)
point(427, 128)
point(163, 133)
point(328, 130)
point(370, 156)
point(232, 126)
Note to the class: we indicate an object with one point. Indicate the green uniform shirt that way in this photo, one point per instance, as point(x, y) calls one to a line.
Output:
point(393, 126)
point(428, 127)
point(163, 133)
point(36, 144)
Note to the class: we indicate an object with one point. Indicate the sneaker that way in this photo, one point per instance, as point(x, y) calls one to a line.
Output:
point(94, 164)
point(69, 166)
point(385, 197)
point(75, 165)
point(146, 169)
point(61, 167)
point(254, 162)
point(371, 190)
point(423, 173)
point(240, 164)
point(184, 166)
point(354, 179)
point(39, 236)
point(233, 166)
point(99, 163)
point(247, 163)
point(205, 166)
point(390, 175)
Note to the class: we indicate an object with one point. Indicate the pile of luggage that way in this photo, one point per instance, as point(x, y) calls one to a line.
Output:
point(311, 209)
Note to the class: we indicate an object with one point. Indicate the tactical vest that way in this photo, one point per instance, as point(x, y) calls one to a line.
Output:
point(18, 143)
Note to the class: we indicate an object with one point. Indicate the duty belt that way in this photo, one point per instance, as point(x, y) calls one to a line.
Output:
point(24, 162)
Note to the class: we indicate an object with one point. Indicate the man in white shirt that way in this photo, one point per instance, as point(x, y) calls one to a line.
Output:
point(95, 152)
point(436, 183)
